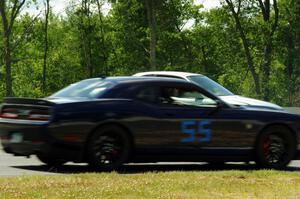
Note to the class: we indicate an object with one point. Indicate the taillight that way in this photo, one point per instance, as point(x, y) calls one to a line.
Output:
point(25, 113)
point(10, 113)
point(39, 115)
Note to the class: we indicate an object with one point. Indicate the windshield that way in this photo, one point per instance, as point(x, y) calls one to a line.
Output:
point(90, 88)
point(210, 85)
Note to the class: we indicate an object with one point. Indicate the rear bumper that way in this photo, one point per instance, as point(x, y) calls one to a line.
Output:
point(24, 139)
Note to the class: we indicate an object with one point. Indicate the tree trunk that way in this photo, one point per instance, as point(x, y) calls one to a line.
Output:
point(297, 31)
point(7, 24)
point(246, 47)
point(6, 49)
point(47, 9)
point(151, 14)
point(265, 66)
point(205, 61)
point(7, 61)
point(268, 49)
point(103, 42)
point(85, 35)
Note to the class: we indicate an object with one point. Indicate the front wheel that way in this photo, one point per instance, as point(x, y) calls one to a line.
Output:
point(275, 148)
point(108, 148)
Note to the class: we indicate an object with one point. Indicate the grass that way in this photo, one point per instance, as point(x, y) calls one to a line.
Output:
point(210, 184)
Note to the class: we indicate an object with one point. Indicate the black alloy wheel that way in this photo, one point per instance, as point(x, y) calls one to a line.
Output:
point(275, 148)
point(108, 148)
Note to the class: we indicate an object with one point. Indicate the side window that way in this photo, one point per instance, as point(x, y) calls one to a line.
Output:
point(185, 97)
point(148, 94)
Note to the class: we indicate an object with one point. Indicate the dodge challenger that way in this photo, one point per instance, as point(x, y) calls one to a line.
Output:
point(110, 121)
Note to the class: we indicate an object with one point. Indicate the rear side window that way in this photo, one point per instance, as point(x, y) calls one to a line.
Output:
point(91, 88)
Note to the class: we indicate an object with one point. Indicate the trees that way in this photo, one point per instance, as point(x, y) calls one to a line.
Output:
point(250, 46)
point(86, 30)
point(86, 20)
point(103, 35)
point(9, 10)
point(150, 34)
point(176, 46)
point(129, 37)
point(241, 9)
point(218, 51)
point(236, 14)
point(288, 47)
point(269, 28)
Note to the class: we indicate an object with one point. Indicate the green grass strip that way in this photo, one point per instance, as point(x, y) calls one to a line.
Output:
point(212, 184)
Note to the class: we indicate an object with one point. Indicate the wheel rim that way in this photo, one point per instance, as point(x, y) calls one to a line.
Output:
point(107, 149)
point(274, 149)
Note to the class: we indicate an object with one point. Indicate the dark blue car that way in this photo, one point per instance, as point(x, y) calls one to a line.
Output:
point(110, 121)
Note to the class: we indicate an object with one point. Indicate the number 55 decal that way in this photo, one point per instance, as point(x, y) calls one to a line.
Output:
point(194, 128)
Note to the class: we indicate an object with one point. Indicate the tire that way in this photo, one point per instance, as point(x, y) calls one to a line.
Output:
point(108, 148)
point(51, 161)
point(275, 148)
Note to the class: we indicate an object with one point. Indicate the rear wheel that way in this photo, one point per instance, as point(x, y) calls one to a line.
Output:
point(275, 148)
point(51, 161)
point(108, 148)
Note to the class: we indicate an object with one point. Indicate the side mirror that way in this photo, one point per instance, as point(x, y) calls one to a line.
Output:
point(220, 104)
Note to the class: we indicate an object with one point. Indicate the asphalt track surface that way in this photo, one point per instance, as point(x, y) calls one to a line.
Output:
point(21, 166)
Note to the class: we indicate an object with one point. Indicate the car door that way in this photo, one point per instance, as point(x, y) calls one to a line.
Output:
point(184, 119)
point(189, 115)
point(165, 125)
point(202, 124)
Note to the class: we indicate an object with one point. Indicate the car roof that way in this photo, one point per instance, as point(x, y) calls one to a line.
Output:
point(134, 80)
point(137, 79)
point(167, 73)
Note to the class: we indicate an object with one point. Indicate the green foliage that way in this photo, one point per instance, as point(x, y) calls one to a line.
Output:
point(87, 43)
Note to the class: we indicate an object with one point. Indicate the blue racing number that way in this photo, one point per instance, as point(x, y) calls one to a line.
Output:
point(194, 128)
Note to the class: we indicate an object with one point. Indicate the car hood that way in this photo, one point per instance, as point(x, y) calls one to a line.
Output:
point(246, 101)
